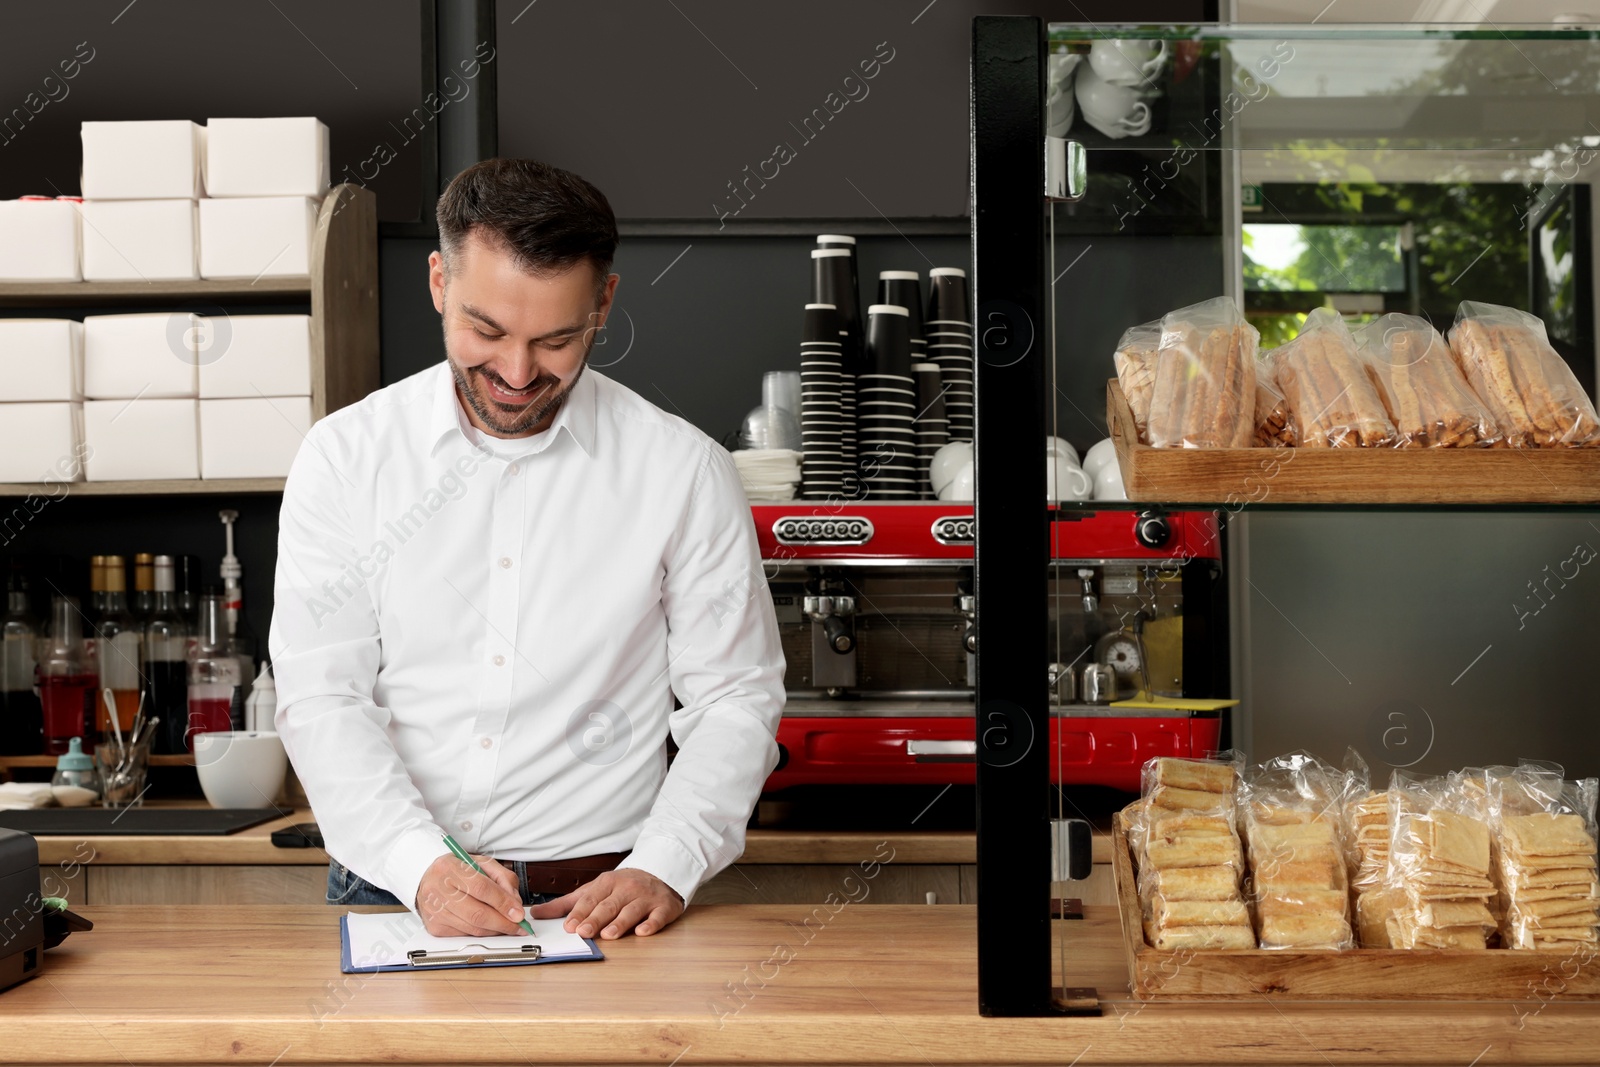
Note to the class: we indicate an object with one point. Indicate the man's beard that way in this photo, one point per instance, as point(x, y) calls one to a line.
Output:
point(504, 421)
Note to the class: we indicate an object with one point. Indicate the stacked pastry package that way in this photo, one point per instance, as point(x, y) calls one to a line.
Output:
point(1545, 858)
point(1204, 394)
point(1332, 399)
point(1439, 864)
point(1422, 388)
point(1292, 809)
point(1135, 358)
point(1367, 822)
point(1183, 837)
point(1527, 387)
point(1274, 428)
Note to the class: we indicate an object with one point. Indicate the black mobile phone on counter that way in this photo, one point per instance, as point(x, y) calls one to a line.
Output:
point(299, 835)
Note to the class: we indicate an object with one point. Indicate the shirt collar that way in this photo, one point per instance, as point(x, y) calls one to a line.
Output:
point(576, 417)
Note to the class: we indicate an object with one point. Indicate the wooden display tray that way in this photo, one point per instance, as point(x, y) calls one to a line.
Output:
point(1355, 974)
point(1235, 477)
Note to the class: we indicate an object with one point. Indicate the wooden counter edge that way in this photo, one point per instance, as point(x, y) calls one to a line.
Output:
point(903, 1011)
point(254, 846)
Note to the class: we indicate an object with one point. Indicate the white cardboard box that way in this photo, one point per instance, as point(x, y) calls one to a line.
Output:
point(144, 438)
point(257, 237)
point(39, 241)
point(266, 157)
point(252, 438)
point(157, 160)
point(255, 356)
point(41, 359)
point(150, 356)
point(139, 240)
point(40, 442)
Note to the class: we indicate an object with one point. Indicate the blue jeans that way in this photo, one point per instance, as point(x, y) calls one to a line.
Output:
point(347, 887)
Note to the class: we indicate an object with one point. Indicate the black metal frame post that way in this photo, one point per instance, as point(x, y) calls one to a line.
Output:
point(1012, 550)
point(468, 133)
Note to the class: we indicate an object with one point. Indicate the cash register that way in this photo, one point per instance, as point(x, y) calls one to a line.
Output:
point(21, 908)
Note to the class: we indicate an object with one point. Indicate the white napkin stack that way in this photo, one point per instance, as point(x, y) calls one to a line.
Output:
point(15, 795)
point(768, 473)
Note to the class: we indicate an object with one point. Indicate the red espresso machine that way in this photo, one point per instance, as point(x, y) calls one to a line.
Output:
point(874, 602)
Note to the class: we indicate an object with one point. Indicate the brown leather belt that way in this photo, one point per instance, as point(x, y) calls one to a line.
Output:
point(563, 876)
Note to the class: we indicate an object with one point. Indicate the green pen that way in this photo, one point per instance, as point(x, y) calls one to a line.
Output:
point(461, 854)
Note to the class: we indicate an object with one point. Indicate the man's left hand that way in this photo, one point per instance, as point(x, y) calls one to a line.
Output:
point(614, 903)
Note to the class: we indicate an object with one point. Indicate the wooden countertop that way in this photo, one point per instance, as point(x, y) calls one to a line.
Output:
point(874, 984)
point(254, 846)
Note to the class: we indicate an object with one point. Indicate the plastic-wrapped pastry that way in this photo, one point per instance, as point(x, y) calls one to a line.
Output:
point(1428, 400)
point(1332, 399)
point(1204, 394)
point(1528, 388)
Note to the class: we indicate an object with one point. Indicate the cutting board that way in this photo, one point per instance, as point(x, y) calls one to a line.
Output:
point(99, 822)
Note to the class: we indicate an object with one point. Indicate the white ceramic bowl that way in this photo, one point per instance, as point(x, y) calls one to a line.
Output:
point(947, 463)
point(243, 769)
point(1099, 454)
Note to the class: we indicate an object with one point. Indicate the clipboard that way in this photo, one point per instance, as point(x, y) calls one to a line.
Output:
point(397, 942)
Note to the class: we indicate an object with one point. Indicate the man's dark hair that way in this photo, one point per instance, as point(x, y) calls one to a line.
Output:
point(549, 219)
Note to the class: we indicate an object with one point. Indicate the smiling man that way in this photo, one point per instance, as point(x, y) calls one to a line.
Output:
point(503, 584)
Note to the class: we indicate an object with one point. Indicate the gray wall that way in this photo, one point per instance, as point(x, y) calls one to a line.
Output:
point(355, 64)
point(1418, 638)
point(662, 104)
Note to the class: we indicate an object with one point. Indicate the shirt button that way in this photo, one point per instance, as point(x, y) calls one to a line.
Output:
point(499, 661)
point(486, 743)
point(505, 561)
point(466, 824)
point(513, 469)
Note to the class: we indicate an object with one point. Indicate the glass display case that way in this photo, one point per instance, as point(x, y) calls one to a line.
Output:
point(1119, 172)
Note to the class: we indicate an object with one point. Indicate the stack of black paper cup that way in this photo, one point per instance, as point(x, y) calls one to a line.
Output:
point(835, 280)
point(903, 288)
point(886, 408)
point(932, 426)
point(948, 328)
point(823, 466)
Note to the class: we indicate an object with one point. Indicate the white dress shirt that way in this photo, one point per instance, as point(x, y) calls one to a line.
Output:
point(484, 637)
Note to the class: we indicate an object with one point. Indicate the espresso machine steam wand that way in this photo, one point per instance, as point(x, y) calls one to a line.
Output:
point(833, 636)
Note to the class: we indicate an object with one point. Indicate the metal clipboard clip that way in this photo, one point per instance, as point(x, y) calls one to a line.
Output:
point(421, 957)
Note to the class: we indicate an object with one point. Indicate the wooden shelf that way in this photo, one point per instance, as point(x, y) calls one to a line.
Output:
point(88, 294)
point(342, 290)
point(143, 488)
point(1233, 478)
point(50, 761)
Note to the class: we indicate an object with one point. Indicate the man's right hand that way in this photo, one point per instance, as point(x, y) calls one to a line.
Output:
point(456, 901)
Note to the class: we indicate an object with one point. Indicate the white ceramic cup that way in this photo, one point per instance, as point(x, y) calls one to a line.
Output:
point(1114, 110)
point(1060, 106)
point(1060, 446)
point(1065, 480)
point(947, 463)
point(240, 769)
point(1108, 483)
point(1132, 63)
point(960, 487)
point(1100, 453)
